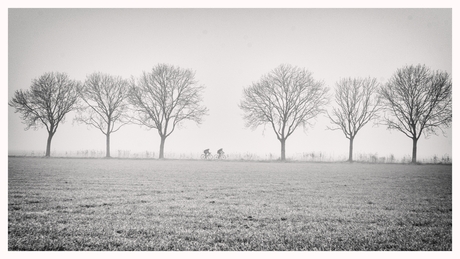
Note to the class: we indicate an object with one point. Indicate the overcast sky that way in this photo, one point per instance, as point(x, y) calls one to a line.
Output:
point(229, 49)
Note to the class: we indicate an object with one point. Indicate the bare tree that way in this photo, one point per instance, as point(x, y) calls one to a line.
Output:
point(285, 98)
point(417, 100)
point(357, 105)
point(106, 104)
point(164, 98)
point(49, 99)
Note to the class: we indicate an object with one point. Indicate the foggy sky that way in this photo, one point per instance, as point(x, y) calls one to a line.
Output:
point(229, 49)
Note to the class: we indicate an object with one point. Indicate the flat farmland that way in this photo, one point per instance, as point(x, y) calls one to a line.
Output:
point(128, 204)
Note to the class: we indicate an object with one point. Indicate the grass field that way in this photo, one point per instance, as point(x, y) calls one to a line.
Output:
point(128, 204)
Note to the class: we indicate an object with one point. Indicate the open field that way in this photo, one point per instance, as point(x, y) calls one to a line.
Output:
point(128, 204)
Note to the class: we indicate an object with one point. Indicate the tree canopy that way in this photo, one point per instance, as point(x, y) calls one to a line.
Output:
point(105, 99)
point(417, 100)
point(357, 103)
point(285, 98)
point(49, 99)
point(165, 97)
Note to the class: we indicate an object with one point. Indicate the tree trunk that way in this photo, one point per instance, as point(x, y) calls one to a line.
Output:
point(283, 149)
point(48, 144)
point(414, 150)
point(107, 150)
point(350, 151)
point(107, 139)
point(162, 147)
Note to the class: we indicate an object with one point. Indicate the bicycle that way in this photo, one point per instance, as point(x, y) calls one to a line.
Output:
point(206, 156)
point(221, 156)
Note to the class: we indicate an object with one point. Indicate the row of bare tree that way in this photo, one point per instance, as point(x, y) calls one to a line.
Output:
point(160, 99)
point(413, 101)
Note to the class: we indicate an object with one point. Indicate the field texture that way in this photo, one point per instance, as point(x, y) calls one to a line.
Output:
point(112, 204)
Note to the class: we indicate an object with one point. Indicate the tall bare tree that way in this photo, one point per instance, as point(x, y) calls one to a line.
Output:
point(358, 103)
point(50, 98)
point(105, 104)
point(417, 100)
point(165, 97)
point(285, 98)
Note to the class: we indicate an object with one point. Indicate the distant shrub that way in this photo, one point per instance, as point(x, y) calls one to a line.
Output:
point(373, 158)
point(391, 158)
point(124, 153)
point(446, 159)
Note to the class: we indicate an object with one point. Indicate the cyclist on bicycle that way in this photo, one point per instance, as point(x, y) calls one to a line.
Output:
point(206, 152)
point(220, 152)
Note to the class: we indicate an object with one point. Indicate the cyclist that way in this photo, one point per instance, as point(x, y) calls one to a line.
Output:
point(220, 152)
point(206, 152)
